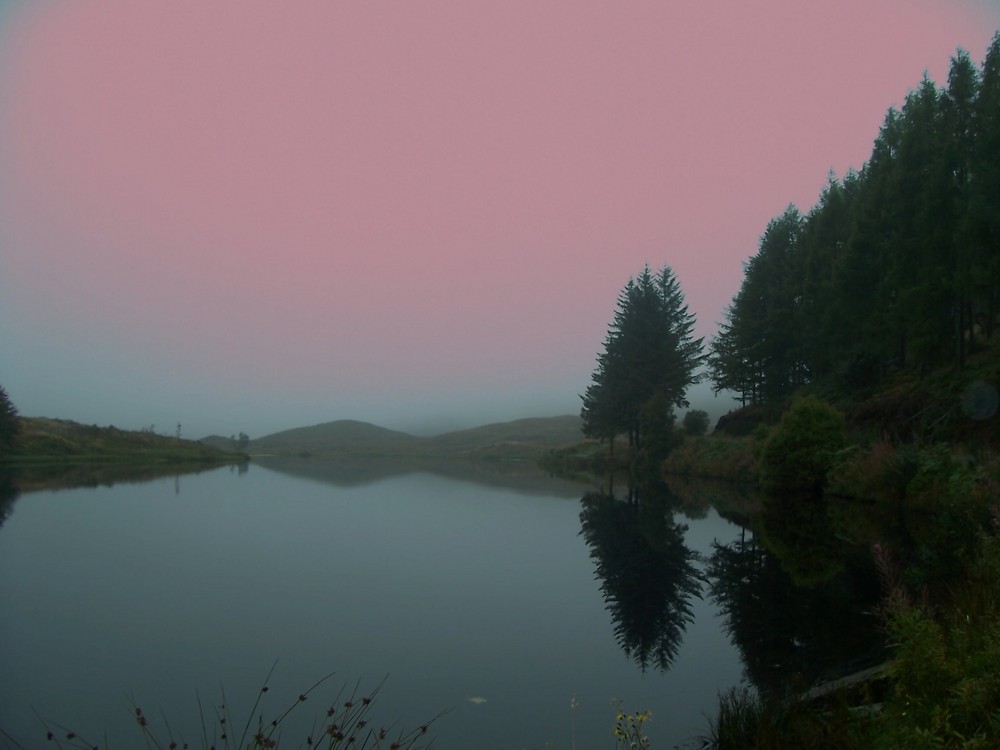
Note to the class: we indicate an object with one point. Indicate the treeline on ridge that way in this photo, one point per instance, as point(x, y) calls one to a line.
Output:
point(896, 268)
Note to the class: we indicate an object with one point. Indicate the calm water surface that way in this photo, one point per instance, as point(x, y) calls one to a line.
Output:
point(479, 599)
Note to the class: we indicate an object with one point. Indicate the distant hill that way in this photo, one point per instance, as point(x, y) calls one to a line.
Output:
point(344, 434)
point(220, 442)
point(522, 438)
point(534, 433)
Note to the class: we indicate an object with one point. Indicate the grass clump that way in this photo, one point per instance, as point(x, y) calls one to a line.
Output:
point(345, 723)
point(747, 722)
point(715, 456)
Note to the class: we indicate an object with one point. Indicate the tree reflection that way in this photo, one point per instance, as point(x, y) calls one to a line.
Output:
point(789, 634)
point(647, 574)
point(8, 495)
point(799, 532)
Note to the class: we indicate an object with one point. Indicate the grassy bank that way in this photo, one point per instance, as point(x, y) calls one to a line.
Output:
point(56, 442)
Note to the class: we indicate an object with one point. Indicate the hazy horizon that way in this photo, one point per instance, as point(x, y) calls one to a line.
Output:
point(254, 216)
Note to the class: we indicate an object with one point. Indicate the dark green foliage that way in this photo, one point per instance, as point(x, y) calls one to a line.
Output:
point(758, 350)
point(945, 690)
point(748, 722)
point(799, 449)
point(648, 363)
point(659, 436)
point(695, 422)
point(747, 420)
point(10, 424)
point(896, 268)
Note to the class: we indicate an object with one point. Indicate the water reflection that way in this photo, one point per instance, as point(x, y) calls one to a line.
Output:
point(648, 576)
point(800, 533)
point(523, 477)
point(790, 633)
point(67, 476)
point(796, 598)
point(8, 495)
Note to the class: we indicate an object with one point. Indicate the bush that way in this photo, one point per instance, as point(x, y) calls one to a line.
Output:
point(745, 420)
point(799, 449)
point(695, 422)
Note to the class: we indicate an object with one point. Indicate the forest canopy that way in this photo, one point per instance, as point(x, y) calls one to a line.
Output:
point(897, 266)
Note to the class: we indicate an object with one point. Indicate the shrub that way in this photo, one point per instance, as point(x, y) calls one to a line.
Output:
point(695, 422)
point(799, 449)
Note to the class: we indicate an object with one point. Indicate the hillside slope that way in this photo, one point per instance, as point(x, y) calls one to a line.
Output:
point(332, 436)
point(522, 438)
point(61, 440)
point(533, 433)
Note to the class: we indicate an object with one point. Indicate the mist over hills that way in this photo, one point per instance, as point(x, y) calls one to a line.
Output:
point(343, 432)
point(521, 438)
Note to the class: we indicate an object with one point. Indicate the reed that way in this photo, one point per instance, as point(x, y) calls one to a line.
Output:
point(345, 722)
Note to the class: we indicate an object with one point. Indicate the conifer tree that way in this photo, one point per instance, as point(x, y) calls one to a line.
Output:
point(896, 268)
point(649, 352)
point(10, 425)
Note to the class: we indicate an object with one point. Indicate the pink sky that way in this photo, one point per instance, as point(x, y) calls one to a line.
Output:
point(256, 215)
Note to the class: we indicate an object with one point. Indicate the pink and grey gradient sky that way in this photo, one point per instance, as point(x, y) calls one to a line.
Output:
point(257, 215)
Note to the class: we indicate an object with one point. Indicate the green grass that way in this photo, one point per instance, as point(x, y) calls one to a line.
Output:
point(56, 441)
point(716, 457)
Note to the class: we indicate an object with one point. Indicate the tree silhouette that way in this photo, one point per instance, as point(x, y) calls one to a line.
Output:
point(9, 493)
point(649, 360)
point(647, 574)
point(10, 424)
point(896, 268)
point(787, 632)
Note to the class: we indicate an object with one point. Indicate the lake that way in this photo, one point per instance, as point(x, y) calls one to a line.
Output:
point(521, 605)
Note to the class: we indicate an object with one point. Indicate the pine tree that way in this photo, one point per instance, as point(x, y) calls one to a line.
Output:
point(982, 217)
point(10, 424)
point(649, 352)
point(759, 350)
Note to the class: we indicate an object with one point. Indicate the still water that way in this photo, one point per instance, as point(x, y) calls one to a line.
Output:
point(518, 607)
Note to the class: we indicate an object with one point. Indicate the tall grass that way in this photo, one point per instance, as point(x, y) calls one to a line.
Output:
point(346, 722)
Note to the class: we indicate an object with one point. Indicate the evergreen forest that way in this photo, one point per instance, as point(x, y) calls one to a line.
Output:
point(895, 269)
point(862, 346)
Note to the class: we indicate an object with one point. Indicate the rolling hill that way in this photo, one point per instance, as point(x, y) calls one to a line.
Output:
point(522, 438)
point(338, 435)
